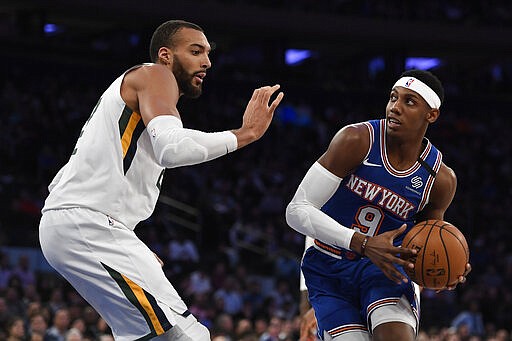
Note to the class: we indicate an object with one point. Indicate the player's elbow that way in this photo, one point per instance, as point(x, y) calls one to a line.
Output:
point(183, 152)
point(295, 217)
point(290, 214)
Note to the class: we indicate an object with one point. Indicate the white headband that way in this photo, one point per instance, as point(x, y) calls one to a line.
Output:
point(422, 89)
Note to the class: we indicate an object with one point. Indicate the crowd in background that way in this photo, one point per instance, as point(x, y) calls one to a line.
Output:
point(495, 12)
point(239, 271)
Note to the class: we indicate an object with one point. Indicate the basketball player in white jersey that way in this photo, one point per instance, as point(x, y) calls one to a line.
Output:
point(112, 182)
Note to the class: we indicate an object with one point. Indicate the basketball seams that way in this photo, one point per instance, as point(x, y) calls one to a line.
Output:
point(420, 229)
point(420, 226)
point(464, 245)
point(448, 265)
point(431, 231)
point(423, 269)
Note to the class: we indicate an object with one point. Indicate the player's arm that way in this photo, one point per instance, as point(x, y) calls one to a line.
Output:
point(441, 197)
point(346, 150)
point(153, 92)
point(345, 153)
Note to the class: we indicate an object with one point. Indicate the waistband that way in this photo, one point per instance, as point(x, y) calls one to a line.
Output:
point(335, 252)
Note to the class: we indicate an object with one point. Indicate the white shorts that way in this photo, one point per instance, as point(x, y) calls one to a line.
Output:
point(115, 272)
point(399, 312)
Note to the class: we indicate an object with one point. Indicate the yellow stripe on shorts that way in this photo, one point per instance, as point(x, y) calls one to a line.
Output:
point(143, 300)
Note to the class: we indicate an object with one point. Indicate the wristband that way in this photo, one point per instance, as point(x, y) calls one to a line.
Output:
point(363, 245)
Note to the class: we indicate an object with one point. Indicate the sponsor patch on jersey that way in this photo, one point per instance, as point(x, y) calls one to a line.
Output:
point(416, 182)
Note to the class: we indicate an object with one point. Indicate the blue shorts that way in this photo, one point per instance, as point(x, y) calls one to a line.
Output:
point(345, 292)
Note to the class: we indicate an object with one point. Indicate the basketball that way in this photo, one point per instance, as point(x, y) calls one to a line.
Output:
point(442, 254)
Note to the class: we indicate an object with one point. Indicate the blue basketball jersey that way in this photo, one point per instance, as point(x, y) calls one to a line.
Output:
point(376, 197)
point(344, 288)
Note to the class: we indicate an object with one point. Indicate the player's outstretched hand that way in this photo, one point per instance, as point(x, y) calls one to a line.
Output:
point(462, 279)
point(381, 251)
point(258, 115)
point(308, 326)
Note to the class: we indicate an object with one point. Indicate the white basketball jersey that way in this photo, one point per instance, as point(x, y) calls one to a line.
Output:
point(112, 169)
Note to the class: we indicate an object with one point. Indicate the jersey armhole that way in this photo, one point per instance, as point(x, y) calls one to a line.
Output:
point(371, 137)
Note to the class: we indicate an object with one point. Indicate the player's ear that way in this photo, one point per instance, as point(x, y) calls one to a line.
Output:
point(432, 115)
point(165, 55)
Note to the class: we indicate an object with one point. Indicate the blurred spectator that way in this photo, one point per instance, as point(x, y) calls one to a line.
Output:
point(79, 324)
point(5, 271)
point(223, 327)
point(73, 334)
point(56, 300)
point(106, 337)
point(201, 307)
point(37, 325)
point(273, 331)
point(502, 335)
point(182, 249)
point(243, 328)
point(60, 325)
point(24, 272)
point(470, 319)
point(14, 299)
point(229, 296)
point(199, 282)
point(102, 328)
point(253, 296)
point(15, 329)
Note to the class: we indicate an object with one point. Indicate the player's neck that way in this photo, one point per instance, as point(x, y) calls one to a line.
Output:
point(403, 154)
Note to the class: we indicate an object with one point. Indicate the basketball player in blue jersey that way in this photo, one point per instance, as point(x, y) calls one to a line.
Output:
point(112, 181)
point(374, 182)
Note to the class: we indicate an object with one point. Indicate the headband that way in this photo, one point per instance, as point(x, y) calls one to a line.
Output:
point(422, 89)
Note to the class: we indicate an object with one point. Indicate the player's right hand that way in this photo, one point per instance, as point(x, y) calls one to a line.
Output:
point(381, 251)
point(258, 114)
point(461, 279)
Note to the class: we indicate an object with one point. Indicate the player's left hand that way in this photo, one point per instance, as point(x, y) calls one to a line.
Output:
point(258, 115)
point(462, 279)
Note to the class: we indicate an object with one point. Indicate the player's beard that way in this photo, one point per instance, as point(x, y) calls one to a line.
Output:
point(185, 80)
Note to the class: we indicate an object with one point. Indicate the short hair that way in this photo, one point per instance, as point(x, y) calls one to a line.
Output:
point(164, 34)
point(428, 78)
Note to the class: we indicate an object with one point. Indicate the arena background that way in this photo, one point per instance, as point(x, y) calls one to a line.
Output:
point(239, 261)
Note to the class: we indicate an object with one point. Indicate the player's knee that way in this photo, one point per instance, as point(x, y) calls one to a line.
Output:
point(196, 331)
point(193, 332)
point(203, 333)
point(393, 331)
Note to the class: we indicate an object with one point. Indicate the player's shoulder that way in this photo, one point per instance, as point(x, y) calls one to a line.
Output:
point(148, 70)
point(140, 76)
point(352, 139)
point(355, 133)
point(446, 177)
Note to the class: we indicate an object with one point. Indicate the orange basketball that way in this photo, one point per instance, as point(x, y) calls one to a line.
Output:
point(442, 253)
